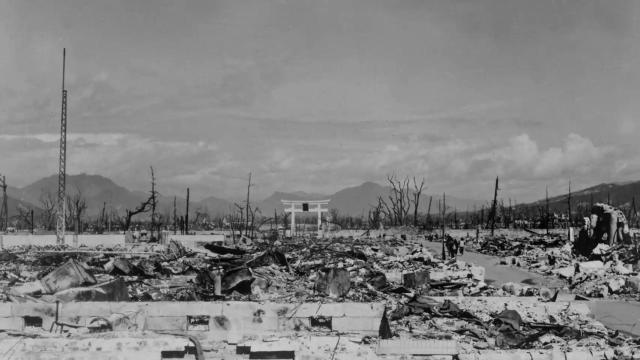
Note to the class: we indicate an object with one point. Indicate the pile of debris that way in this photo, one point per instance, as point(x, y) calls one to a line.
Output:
point(361, 270)
point(607, 272)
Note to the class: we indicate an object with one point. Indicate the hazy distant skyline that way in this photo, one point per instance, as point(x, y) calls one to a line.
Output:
point(321, 95)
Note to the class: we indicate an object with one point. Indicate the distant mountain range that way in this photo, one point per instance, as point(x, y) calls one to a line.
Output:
point(619, 194)
point(357, 200)
point(98, 190)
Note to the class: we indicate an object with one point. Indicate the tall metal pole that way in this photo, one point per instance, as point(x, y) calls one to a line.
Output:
point(569, 219)
point(5, 206)
point(62, 170)
point(444, 211)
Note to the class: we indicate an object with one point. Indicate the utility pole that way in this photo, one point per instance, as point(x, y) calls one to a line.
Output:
point(62, 170)
point(186, 217)
point(547, 202)
point(246, 221)
point(174, 216)
point(510, 213)
point(32, 222)
point(444, 211)
point(634, 213)
point(569, 219)
point(429, 213)
point(153, 202)
point(494, 208)
point(103, 219)
point(4, 211)
point(455, 217)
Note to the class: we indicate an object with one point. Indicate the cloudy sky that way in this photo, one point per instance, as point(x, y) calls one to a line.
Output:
point(318, 95)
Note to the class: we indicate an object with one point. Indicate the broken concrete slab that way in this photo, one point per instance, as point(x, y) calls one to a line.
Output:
point(591, 266)
point(114, 290)
point(71, 274)
point(417, 347)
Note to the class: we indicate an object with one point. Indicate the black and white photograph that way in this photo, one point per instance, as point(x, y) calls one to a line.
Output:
point(319, 179)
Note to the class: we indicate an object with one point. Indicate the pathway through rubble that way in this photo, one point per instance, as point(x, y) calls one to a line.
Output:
point(614, 314)
point(496, 274)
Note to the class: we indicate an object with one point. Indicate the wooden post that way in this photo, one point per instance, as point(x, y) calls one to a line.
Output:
point(175, 213)
point(547, 202)
point(186, 216)
point(494, 207)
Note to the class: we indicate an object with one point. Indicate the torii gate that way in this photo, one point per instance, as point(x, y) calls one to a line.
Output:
point(290, 207)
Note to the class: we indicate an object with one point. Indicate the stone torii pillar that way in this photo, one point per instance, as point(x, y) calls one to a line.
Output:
point(296, 206)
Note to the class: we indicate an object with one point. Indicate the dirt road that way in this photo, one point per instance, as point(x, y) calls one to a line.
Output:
point(614, 314)
point(497, 274)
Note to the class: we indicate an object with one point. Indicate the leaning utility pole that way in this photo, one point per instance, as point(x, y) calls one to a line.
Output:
point(547, 201)
point(186, 217)
point(444, 211)
point(4, 211)
point(494, 207)
point(62, 170)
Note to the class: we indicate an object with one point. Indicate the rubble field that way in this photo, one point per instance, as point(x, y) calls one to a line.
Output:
point(429, 307)
point(609, 272)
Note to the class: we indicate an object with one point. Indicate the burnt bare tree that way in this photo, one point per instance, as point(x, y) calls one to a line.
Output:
point(77, 206)
point(375, 215)
point(148, 205)
point(48, 215)
point(417, 192)
point(25, 217)
point(400, 200)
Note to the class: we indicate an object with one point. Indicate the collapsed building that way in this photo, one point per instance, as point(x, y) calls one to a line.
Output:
point(290, 298)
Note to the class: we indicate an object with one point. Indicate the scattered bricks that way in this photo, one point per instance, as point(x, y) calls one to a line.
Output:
point(393, 276)
point(416, 279)
point(512, 288)
point(622, 269)
point(615, 285)
point(633, 283)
